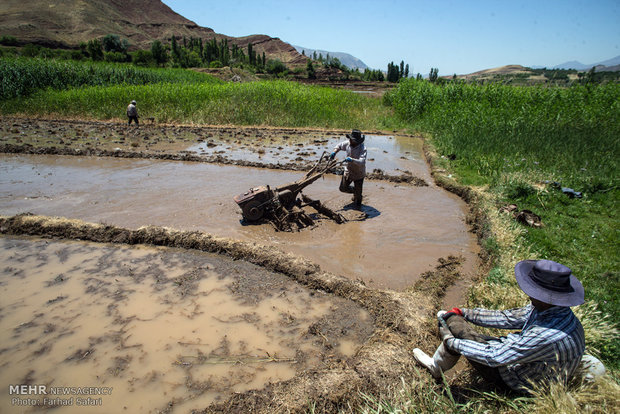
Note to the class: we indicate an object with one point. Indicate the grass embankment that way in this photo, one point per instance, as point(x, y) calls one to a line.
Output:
point(172, 96)
point(510, 145)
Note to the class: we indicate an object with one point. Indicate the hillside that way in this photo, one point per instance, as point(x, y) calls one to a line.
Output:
point(70, 22)
point(502, 70)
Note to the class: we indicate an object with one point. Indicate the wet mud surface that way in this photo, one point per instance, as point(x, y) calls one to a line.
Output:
point(399, 233)
point(387, 322)
point(172, 186)
point(161, 327)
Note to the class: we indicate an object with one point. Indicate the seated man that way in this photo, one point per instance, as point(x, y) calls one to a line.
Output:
point(549, 346)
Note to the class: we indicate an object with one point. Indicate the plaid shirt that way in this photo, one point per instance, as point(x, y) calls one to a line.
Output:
point(550, 344)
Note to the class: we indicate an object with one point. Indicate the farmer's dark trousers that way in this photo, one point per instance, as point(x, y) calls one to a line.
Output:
point(356, 190)
point(133, 118)
point(462, 329)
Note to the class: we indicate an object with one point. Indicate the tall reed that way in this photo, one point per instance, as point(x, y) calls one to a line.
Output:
point(493, 128)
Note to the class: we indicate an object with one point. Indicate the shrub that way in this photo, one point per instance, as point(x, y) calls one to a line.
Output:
point(143, 58)
point(275, 67)
point(115, 57)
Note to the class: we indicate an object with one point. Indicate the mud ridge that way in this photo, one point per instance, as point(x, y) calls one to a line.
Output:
point(405, 178)
point(401, 318)
point(476, 217)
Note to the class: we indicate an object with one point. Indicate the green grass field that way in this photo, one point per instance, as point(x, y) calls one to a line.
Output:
point(275, 103)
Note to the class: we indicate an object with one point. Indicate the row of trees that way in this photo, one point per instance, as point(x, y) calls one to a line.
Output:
point(194, 52)
point(182, 52)
point(396, 72)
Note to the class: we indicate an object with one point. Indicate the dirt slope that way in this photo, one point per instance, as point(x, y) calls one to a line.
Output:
point(70, 22)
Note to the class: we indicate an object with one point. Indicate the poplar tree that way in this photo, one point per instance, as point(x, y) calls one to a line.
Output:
point(159, 52)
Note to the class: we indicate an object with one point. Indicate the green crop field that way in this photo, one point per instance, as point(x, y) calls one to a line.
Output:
point(19, 77)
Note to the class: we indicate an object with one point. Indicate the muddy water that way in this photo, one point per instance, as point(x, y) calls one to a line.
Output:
point(152, 328)
point(391, 154)
point(406, 230)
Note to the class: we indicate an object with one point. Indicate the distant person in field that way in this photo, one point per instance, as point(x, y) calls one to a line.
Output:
point(355, 168)
point(549, 346)
point(132, 113)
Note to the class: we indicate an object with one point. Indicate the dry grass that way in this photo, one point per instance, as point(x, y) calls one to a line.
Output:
point(602, 396)
point(597, 325)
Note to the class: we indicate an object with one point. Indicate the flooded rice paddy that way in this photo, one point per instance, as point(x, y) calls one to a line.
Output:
point(173, 330)
point(406, 229)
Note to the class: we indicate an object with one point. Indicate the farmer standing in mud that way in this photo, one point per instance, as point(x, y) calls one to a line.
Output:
point(132, 113)
point(355, 168)
point(548, 348)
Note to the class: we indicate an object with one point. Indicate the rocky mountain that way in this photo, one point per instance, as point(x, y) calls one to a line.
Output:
point(346, 59)
point(67, 23)
point(607, 65)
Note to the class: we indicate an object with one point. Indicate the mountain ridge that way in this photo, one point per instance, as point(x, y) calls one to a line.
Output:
point(574, 64)
point(68, 23)
point(346, 59)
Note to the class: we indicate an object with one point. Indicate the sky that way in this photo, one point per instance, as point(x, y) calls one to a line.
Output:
point(457, 37)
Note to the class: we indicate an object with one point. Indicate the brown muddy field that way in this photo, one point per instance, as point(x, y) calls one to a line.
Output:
point(237, 316)
point(162, 327)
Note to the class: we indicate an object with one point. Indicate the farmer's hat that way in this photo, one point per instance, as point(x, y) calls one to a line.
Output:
point(549, 282)
point(356, 136)
point(133, 102)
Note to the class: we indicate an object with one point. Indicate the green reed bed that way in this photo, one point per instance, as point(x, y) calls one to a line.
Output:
point(493, 128)
point(517, 142)
point(20, 77)
point(276, 103)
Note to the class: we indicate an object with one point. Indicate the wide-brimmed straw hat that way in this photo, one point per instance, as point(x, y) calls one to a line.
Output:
point(549, 282)
point(356, 136)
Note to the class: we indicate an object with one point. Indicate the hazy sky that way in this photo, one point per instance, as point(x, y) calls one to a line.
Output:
point(460, 36)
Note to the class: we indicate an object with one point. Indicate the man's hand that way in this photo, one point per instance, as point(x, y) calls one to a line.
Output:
point(348, 159)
